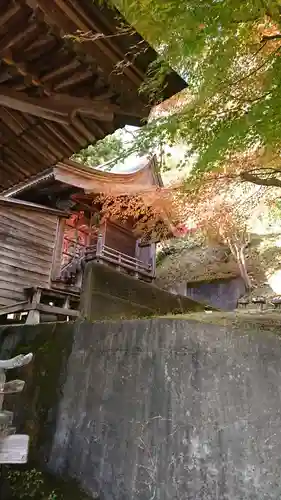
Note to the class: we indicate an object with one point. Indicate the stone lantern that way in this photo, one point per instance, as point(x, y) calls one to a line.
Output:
point(13, 447)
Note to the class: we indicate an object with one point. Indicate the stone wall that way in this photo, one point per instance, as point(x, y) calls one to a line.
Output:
point(221, 294)
point(35, 408)
point(172, 409)
point(163, 408)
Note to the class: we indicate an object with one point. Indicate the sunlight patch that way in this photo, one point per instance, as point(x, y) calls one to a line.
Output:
point(274, 281)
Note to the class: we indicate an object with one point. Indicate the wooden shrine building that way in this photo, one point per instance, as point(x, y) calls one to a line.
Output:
point(68, 77)
point(49, 228)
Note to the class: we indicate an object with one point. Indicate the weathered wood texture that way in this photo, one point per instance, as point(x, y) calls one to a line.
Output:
point(27, 241)
point(120, 239)
point(147, 254)
point(41, 63)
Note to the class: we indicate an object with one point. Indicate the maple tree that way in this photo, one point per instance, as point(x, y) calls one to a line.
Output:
point(229, 54)
point(218, 216)
point(218, 211)
point(146, 212)
point(223, 225)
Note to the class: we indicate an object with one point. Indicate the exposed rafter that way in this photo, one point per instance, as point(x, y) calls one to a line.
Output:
point(59, 108)
point(58, 95)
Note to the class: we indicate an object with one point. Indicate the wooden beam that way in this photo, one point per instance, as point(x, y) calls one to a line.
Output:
point(39, 47)
point(20, 102)
point(106, 45)
point(21, 68)
point(13, 9)
point(7, 168)
point(56, 150)
point(58, 107)
point(70, 67)
point(19, 160)
point(62, 311)
point(17, 27)
point(75, 78)
point(56, 137)
point(43, 151)
point(20, 306)
point(82, 129)
point(60, 14)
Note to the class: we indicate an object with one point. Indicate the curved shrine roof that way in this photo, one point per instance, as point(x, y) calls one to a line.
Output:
point(93, 180)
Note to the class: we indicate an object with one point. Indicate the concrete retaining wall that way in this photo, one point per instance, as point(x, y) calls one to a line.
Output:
point(109, 294)
point(161, 408)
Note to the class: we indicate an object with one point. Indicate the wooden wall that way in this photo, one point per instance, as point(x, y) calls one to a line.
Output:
point(147, 254)
point(27, 240)
point(120, 239)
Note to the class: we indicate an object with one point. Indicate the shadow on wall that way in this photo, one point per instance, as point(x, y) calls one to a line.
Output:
point(220, 294)
point(162, 408)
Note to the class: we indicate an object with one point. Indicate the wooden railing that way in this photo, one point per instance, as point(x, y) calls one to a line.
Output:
point(118, 259)
point(71, 271)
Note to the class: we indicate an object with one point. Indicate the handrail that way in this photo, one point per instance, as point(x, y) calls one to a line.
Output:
point(122, 260)
point(76, 257)
point(97, 250)
point(118, 258)
point(128, 259)
point(105, 247)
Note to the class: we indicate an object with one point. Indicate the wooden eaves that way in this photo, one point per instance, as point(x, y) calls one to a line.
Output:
point(70, 180)
point(89, 180)
point(58, 94)
point(14, 203)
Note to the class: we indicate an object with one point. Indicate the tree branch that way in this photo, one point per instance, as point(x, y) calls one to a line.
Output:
point(267, 38)
point(255, 179)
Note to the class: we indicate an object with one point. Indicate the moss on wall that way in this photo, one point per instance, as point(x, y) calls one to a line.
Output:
point(31, 483)
point(136, 396)
point(35, 408)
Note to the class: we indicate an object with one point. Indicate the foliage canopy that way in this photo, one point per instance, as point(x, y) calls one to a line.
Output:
point(103, 151)
point(229, 52)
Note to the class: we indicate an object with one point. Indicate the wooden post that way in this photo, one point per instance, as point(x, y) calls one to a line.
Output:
point(66, 305)
point(58, 249)
point(137, 271)
point(137, 250)
point(119, 262)
point(152, 253)
point(79, 279)
point(33, 317)
point(99, 245)
point(137, 256)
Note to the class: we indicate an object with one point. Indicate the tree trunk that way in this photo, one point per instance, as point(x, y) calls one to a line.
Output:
point(243, 271)
point(239, 255)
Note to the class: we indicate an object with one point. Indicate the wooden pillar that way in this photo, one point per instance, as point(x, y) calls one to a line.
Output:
point(33, 317)
point(58, 249)
point(102, 231)
point(152, 254)
point(137, 256)
point(99, 245)
point(137, 250)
